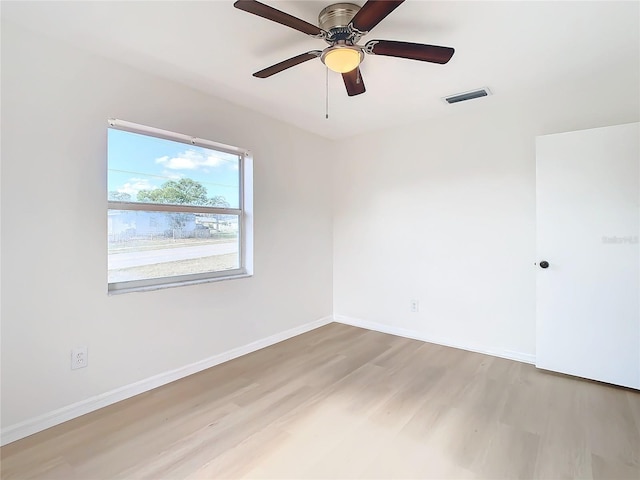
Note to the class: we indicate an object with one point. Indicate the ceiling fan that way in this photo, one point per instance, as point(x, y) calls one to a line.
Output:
point(342, 25)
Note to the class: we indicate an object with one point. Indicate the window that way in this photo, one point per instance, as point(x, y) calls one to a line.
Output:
point(179, 209)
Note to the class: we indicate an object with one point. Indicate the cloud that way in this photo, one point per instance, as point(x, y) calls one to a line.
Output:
point(172, 175)
point(134, 185)
point(189, 160)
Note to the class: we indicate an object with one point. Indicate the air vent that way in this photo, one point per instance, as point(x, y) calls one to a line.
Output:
point(462, 97)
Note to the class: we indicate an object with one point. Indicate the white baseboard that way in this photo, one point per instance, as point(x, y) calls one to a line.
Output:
point(69, 412)
point(403, 332)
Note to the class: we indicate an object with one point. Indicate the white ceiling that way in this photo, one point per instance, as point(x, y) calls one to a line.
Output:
point(510, 47)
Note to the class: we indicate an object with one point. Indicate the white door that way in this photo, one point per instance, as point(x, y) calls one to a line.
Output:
point(588, 223)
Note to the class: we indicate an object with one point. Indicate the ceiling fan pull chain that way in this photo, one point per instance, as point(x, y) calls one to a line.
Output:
point(326, 114)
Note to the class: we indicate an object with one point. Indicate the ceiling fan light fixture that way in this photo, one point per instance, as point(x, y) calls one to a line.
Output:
point(342, 58)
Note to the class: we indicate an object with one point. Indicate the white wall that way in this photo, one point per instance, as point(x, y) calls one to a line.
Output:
point(55, 104)
point(444, 212)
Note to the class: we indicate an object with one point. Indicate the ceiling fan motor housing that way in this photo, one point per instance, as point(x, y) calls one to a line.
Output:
point(335, 20)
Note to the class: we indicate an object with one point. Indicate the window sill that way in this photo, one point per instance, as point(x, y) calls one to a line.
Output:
point(178, 284)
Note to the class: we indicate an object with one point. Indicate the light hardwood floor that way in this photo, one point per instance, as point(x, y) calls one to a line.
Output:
point(343, 402)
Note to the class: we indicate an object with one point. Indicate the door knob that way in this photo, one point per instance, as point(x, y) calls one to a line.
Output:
point(544, 264)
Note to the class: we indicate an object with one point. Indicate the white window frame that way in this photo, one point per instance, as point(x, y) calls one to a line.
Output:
point(244, 213)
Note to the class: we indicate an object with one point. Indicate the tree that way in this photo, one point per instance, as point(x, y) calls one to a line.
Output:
point(182, 192)
point(219, 201)
point(119, 196)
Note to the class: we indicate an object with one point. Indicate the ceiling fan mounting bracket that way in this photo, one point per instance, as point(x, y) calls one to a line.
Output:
point(337, 15)
point(336, 21)
point(368, 47)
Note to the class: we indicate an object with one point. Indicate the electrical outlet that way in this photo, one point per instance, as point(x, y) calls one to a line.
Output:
point(79, 358)
point(413, 305)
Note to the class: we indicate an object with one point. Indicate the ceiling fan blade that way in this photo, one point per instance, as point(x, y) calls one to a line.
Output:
point(413, 51)
point(291, 62)
point(270, 13)
point(353, 82)
point(372, 13)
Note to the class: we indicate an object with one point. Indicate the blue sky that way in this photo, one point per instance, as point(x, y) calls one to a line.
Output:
point(139, 162)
